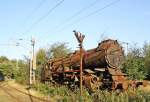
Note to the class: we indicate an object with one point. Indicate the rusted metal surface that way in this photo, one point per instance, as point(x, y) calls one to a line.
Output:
point(108, 53)
point(107, 56)
point(136, 83)
point(92, 82)
point(101, 67)
point(119, 79)
point(80, 38)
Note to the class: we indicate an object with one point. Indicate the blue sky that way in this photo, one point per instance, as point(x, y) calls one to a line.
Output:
point(126, 20)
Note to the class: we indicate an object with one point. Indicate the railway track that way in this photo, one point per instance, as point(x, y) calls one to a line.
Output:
point(16, 95)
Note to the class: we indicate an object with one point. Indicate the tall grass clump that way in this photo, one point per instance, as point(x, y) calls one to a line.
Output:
point(64, 94)
point(126, 96)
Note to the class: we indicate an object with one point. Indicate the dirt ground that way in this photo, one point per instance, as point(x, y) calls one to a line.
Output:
point(12, 92)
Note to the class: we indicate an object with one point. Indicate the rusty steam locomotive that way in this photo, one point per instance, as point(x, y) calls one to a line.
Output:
point(101, 68)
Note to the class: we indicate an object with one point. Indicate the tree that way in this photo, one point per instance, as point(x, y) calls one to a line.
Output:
point(146, 54)
point(22, 73)
point(41, 59)
point(58, 50)
point(3, 59)
point(6, 67)
point(134, 64)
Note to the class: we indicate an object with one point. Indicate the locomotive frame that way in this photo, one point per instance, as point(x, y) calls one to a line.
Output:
point(101, 68)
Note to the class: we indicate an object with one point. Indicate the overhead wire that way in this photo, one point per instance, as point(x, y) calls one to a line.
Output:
point(7, 44)
point(75, 15)
point(90, 14)
point(66, 20)
point(43, 17)
point(71, 17)
point(34, 10)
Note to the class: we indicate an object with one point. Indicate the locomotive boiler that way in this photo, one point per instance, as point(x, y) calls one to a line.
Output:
point(101, 68)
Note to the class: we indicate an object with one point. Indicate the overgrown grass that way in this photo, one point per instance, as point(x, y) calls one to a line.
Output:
point(63, 94)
